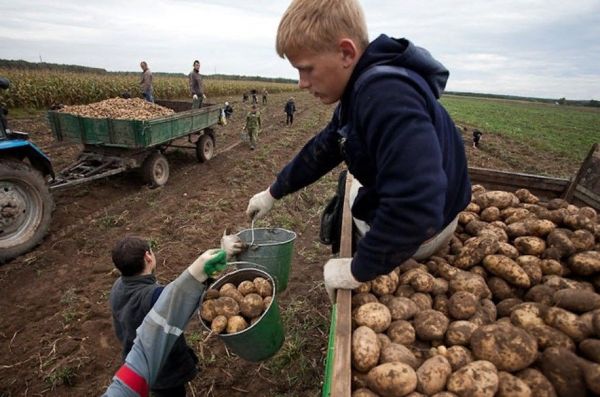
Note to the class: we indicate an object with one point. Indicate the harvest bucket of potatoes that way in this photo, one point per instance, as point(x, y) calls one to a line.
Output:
point(241, 309)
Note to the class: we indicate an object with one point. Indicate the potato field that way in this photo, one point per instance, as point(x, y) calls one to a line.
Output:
point(508, 308)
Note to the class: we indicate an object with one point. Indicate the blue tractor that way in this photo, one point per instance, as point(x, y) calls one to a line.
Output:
point(26, 204)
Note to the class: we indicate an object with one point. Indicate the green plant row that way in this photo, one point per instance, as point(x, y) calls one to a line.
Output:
point(43, 88)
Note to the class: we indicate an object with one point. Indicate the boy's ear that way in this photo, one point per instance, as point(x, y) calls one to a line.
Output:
point(349, 52)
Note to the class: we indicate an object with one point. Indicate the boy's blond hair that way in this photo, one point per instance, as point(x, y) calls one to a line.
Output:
point(317, 25)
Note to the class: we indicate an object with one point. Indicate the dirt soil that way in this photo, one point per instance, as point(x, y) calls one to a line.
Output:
point(56, 335)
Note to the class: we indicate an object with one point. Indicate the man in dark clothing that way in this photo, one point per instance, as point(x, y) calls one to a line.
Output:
point(290, 109)
point(395, 137)
point(196, 86)
point(228, 109)
point(131, 298)
point(476, 138)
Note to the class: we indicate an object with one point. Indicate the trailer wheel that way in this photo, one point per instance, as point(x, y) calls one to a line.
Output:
point(205, 148)
point(155, 170)
point(26, 207)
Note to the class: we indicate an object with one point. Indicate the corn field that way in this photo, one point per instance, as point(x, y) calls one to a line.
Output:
point(42, 89)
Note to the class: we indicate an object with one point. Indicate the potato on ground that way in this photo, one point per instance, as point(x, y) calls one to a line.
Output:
point(561, 368)
point(433, 374)
point(374, 315)
point(537, 382)
point(392, 379)
point(477, 379)
point(507, 347)
point(507, 269)
point(395, 352)
point(430, 325)
point(365, 349)
point(511, 386)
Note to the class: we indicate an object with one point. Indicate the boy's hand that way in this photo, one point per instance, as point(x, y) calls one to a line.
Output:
point(207, 264)
point(337, 274)
point(232, 244)
point(260, 204)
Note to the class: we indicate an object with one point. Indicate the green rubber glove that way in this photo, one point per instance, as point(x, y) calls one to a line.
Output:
point(216, 264)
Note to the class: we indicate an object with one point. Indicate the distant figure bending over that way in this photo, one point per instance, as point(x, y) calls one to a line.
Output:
point(476, 138)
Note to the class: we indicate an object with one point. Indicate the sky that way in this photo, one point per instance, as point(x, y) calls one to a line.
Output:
point(539, 48)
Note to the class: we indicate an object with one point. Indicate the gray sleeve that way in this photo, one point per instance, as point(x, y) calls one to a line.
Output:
point(159, 331)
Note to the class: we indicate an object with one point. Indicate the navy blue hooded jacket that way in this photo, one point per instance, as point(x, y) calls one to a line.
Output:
point(402, 146)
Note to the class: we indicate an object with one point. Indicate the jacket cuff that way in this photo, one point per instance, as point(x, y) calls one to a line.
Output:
point(276, 191)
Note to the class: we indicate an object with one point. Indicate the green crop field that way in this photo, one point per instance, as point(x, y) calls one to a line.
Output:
point(42, 88)
point(568, 131)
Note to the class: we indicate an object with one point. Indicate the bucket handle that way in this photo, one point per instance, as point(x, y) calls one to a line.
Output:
point(252, 265)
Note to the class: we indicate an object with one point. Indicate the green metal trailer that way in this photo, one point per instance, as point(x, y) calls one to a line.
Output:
point(112, 146)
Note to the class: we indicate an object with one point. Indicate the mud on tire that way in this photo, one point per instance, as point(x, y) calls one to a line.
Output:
point(26, 207)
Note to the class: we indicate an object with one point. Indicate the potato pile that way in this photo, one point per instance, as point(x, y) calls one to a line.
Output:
point(233, 308)
point(509, 308)
point(119, 108)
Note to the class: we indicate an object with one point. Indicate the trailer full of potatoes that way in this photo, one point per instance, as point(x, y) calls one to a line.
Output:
point(509, 308)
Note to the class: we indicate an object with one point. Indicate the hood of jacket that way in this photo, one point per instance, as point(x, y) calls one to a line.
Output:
point(400, 52)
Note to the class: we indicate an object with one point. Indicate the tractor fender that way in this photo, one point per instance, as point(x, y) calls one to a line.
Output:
point(20, 149)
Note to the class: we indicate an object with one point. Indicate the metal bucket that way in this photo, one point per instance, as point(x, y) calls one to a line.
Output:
point(273, 249)
point(262, 339)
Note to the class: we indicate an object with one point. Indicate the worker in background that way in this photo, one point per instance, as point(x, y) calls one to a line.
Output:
point(196, 86)
point(253, 125)
point(476, 138)
point(146, 82)
point(290, 109)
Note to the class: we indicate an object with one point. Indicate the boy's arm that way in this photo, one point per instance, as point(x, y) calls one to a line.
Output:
point(159, 331)
point(319, 156)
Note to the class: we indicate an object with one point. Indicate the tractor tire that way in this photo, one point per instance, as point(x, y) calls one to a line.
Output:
point(26, 207)
point(155, 170)
point(205, 148)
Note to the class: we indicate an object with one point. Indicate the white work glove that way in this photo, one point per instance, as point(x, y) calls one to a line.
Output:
point(196, 269)
point(337, 274)
point(260, 204)
point(194, 97)
point(203, 96)
point(232, 244)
